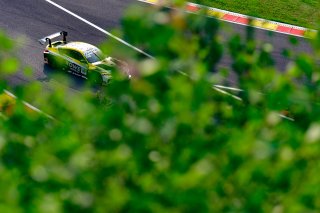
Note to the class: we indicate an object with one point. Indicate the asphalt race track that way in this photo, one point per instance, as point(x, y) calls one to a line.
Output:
point(28, 20)
point(32, 19)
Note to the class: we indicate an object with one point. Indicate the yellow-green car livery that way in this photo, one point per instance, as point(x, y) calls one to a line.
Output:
point(81, 59)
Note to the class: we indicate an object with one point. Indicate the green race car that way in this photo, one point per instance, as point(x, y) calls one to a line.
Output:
point(81, 59)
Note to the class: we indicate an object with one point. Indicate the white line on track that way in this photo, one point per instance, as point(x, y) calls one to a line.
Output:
point(239, 15)
point(29, 105)
point(226, 93)
point(228, 88)
point(220, 88)
point(99, 28)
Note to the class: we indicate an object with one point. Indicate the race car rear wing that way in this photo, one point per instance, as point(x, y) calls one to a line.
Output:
point(55, 35)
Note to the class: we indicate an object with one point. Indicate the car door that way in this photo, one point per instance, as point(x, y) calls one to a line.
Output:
point(76, 63)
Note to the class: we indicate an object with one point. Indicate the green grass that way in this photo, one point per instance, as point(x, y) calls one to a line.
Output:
point(304, 13)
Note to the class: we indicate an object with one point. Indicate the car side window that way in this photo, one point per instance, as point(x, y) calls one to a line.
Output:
point(76, 55)
point(73, 54)
point(64, 52)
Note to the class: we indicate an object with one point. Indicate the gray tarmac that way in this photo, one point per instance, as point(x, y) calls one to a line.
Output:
point(29, 20)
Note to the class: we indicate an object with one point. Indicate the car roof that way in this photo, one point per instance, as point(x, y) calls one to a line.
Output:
point(79, 46)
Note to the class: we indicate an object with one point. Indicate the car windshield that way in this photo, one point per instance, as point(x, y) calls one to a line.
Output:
point(94, 55)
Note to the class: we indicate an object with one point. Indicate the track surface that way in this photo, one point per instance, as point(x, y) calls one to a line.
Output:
point(33, 19)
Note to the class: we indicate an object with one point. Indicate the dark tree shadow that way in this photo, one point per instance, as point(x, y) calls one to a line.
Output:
point(61, 76)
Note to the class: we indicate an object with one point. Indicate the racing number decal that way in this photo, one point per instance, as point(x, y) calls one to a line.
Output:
point(74, 67)
point(77, 69)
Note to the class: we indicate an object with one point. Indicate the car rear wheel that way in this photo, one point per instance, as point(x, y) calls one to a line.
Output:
point(48, 64)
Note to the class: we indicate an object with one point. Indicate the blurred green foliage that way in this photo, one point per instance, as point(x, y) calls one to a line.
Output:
point(167, 142)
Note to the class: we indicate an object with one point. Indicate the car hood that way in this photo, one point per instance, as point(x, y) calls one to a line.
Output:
point(106, 64)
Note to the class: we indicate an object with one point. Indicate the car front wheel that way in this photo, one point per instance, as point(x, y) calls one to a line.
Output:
point(95, 79)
